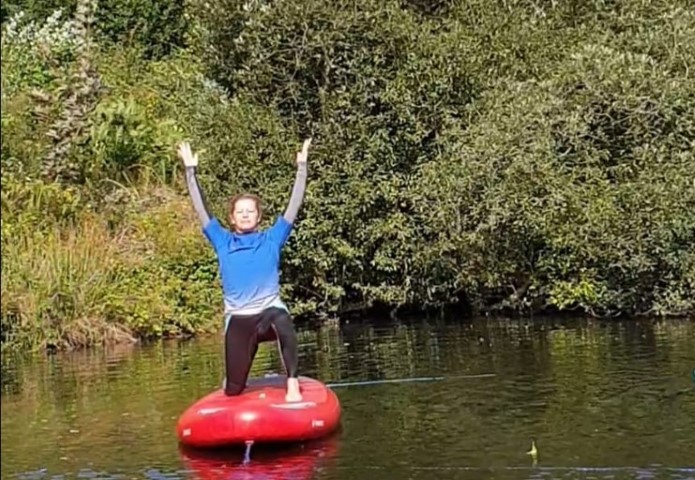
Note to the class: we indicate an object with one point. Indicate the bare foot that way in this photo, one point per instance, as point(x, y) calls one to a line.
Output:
point(293, 393)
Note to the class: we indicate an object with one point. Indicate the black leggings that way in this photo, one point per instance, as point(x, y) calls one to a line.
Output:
point(242, 337)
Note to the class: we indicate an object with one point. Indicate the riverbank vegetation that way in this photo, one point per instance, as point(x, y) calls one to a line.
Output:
point(523, 156)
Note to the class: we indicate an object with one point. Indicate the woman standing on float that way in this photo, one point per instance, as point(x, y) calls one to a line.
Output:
point(249, 262)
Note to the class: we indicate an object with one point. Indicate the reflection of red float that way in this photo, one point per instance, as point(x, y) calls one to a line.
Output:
point(260, 414)
point(296, 462)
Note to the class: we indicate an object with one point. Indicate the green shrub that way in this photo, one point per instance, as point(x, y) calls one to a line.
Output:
point(574, 190)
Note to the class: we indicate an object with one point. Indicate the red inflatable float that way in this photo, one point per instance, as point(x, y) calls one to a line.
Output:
point(260, 414)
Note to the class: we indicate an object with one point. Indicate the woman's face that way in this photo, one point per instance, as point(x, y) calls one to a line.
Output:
point(245, 215)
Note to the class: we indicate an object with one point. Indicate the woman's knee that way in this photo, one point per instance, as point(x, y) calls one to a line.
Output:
point(233, 389)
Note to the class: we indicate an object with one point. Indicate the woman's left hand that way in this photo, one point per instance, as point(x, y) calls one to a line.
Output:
point(302, 156)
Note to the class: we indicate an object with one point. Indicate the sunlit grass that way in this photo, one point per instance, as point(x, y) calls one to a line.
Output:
point(99, 280)
point(57, 281)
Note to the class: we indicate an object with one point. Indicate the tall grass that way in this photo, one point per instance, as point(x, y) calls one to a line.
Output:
point(102, 279)
point(57, 283)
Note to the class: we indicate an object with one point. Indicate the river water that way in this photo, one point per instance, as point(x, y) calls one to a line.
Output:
point(598, 399)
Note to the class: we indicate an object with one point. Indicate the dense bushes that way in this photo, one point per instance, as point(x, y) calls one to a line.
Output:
point(522, 155)
point(527, 156)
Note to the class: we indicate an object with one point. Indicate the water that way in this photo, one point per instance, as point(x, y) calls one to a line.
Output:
point(604, 400)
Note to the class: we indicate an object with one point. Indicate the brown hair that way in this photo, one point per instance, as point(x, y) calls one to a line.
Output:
point(243, 196)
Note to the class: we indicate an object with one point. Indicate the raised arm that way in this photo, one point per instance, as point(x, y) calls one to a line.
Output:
point(297, 196)
point(190, 162)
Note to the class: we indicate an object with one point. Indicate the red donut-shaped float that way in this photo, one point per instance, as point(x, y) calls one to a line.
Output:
point(260, 414)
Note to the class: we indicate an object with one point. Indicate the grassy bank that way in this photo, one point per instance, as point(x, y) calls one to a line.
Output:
point(149, 274)
point(500, 156)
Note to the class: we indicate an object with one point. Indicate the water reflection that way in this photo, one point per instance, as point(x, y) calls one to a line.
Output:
point(301, 462)
point(601, 400)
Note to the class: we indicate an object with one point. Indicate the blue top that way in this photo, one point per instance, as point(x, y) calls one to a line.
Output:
point(249, 263)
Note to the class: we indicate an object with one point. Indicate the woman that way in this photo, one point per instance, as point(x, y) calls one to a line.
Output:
point(249, 262)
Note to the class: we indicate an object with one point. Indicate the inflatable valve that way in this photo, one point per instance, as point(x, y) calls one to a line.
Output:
point(247, 454)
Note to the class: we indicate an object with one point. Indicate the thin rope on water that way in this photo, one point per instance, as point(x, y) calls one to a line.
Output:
point(688, 470)
point(407, 380)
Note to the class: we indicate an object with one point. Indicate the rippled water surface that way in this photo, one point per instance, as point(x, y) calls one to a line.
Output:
point(598, 399)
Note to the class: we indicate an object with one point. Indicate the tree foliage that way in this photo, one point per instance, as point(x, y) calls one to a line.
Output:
point(515, 154)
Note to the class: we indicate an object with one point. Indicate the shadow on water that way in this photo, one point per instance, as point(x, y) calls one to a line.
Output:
point(601, 399)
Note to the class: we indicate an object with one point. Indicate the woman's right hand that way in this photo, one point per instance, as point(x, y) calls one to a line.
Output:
point(185, 153)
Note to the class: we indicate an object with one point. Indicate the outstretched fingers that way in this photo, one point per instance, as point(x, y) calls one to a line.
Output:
point(186, 155)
